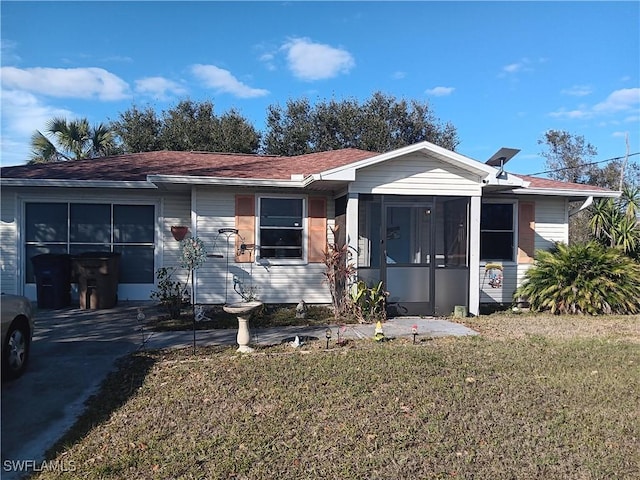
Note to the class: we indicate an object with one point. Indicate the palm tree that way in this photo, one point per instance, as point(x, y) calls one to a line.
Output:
point(74, 140)
point(615, 223)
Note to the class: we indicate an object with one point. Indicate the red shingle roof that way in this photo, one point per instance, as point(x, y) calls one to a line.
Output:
point(546, 183)
point(136, 166)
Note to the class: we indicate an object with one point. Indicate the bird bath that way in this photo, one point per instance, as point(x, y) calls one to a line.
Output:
point(243, 311)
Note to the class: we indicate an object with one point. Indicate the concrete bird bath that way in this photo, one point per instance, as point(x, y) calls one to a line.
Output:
point(243, 311)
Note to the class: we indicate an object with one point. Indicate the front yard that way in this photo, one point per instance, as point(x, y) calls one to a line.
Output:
point(532, 397)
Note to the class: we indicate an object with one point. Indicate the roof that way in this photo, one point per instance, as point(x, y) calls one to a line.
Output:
point(145, 170)
point(555, 187)
point(137, 166)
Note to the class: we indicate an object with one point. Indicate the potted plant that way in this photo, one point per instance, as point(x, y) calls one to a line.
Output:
point(179, 232)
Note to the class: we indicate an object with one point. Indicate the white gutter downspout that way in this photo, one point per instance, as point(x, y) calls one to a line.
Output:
point(587, 203)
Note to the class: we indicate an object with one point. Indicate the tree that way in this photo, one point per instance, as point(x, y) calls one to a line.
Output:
point(138, 130)
point(568, 157)
point(290, 131)
point(74, 140)
point(380, 124)
point(188, 126)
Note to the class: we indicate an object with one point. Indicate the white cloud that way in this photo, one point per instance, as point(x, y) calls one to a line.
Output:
point(399, 75)
point(619, 134)
point(440, 91)
point(8, 52)
point(316, 61)
point(577, 91)
point(269, 61)
point(522, 65)
point(159, 87)
point(619, 101)
point(572, 114)
point(625, 101)
point(66, 82)
point(23, 114)
point(513, 67)
point(222, 81)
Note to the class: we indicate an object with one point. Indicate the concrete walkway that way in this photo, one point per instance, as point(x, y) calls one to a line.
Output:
point(74, 350)
point(393, 328)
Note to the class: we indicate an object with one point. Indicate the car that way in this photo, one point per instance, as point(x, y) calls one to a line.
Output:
point(17, 333)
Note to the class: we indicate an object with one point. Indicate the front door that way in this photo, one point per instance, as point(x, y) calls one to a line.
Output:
point(407, 258)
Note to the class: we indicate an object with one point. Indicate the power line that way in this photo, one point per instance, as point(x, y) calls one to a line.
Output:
point(583, 165)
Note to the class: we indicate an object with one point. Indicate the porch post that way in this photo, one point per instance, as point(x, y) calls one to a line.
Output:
point(352, 225)
point(474, 255)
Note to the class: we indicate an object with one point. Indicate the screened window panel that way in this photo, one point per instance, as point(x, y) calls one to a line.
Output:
point(133, 223)
point(136, 263)
point(90, 223)
point(46, 222)
point(80, 228)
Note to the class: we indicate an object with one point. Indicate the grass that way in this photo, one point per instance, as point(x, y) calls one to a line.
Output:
point(525, 400)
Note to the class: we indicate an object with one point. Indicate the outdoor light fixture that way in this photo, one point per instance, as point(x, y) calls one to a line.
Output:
point(414, 332)
point(327, 333)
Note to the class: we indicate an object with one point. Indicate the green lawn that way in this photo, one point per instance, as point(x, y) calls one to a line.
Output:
point(523, 401)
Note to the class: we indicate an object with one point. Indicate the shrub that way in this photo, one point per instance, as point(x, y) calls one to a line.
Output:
point(582, 278)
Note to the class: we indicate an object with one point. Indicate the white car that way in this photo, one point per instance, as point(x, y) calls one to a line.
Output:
point(17, 332)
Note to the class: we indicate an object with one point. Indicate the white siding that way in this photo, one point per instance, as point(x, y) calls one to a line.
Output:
point(551, 226)
point(551, 222)
point(175, 210)
point(9, 246)
point(274, 283)
point(416, 174)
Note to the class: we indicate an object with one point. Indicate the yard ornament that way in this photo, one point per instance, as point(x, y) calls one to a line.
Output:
point(378, 335)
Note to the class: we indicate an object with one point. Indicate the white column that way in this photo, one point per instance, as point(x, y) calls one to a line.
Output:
point(352, 225)
point(474, 255)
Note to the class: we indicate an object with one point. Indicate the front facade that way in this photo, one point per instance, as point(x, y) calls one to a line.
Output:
point(439, 229)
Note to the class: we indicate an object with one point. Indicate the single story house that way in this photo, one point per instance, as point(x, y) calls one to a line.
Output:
point(438, 228)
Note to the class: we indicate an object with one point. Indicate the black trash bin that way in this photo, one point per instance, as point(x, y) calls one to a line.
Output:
point(97, 276)
point(53, 280)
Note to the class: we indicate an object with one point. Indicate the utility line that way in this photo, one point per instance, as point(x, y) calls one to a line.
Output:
point(583, 165)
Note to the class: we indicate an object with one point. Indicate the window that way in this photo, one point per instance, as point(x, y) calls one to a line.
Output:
point(496, 231)
point(83, 227)
point(281, 228)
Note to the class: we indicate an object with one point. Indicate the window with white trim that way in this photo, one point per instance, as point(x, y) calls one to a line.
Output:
point(281, 228)
point(497, 231)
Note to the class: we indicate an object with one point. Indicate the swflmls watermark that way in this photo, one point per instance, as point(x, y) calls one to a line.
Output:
point(38, 466)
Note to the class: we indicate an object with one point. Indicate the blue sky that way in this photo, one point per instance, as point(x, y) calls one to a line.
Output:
point(502, 72)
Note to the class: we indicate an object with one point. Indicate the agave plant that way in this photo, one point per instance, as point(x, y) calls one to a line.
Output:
point(582, 279)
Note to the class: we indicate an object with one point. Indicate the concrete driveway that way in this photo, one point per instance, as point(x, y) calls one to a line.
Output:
point(72, 352)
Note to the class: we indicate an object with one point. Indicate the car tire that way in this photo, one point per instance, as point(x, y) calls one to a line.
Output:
point(15, 351)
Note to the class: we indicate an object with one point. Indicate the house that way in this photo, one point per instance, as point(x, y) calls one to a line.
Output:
point(439, 228)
